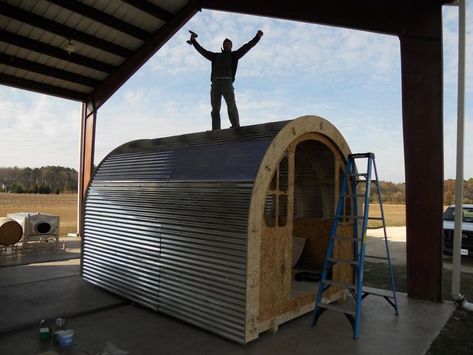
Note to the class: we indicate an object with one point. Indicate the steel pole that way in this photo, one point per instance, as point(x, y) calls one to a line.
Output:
point(457, 235)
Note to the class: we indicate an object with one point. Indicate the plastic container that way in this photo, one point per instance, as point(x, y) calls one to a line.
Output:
point(65, 337)
point(44, 333)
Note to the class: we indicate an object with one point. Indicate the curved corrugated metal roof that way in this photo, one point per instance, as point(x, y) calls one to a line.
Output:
point(221, 155)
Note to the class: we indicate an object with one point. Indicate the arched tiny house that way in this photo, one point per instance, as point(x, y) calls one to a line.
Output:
point(212, 227)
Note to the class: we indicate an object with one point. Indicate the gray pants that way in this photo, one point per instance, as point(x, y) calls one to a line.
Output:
point(219, 88)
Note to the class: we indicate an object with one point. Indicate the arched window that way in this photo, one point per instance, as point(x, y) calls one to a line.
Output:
point(275, 209)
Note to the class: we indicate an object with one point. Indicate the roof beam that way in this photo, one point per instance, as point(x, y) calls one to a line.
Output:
point(41, 88)
point(62, 30)
point(382, 16)
point(151, 9)
point(99, 16)
point(135, 61)
point(59, 53)
point(46, 70)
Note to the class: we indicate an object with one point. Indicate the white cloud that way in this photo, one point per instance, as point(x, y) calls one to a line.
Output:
point(38, 130)
point(286, 47)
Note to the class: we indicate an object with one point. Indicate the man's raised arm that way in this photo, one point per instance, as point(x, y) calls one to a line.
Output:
point(205, 53)
point(240, 52)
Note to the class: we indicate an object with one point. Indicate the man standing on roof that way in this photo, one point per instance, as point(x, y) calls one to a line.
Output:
point(224, 66)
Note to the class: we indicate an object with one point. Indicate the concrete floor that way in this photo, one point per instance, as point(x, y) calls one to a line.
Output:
point(30, 293)
point(67, 248)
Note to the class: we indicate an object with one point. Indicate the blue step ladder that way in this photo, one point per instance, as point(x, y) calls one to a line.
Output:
point(355, 186)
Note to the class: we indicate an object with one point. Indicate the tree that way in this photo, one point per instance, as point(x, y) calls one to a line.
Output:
point(40, 180)
point(17, 189)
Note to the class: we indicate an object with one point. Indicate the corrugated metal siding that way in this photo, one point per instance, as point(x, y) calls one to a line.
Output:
point(180, 250)
point(166, 224)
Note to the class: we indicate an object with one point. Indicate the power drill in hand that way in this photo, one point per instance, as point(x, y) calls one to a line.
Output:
point(193, 35)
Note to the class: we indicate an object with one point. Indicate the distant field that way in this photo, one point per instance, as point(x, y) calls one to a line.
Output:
point(62, 205)
point(395, 214)
point(65, 206)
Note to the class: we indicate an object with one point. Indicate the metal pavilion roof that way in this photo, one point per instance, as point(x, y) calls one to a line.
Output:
point(83, 50)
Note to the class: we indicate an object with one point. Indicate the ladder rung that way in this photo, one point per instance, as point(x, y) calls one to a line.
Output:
point(378, 292)
point(365, 175)
point(348, 239)
point(365, 180)
point(370, 218)
point(357, 195)
point(361, 155)
point(343, 261)
point(376, 257)
point(339, 284)
point(337, 308)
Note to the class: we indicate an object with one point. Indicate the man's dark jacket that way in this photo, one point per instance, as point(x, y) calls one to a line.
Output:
point(225, 63)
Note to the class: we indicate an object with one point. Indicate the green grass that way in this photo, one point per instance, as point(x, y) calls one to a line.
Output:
point(457, 335)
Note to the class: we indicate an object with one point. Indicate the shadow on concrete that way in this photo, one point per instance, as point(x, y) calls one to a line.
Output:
point(140, 331)
point(35, 292)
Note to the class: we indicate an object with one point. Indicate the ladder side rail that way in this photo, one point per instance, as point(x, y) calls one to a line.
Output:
point(331, 243)
point(356, 233)
point(388, 256)
point(361, 263)
point(354, 192)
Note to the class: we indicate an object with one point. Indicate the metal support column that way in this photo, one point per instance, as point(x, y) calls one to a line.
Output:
point(422, 105)
point(86, 169)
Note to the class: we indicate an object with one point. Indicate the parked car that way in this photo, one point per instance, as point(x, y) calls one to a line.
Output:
point(467, 230)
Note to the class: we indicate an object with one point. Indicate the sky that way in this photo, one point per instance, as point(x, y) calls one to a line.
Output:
point(351, 78)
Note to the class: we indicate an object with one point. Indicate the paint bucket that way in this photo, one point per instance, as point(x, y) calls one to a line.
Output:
point(65, 337)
